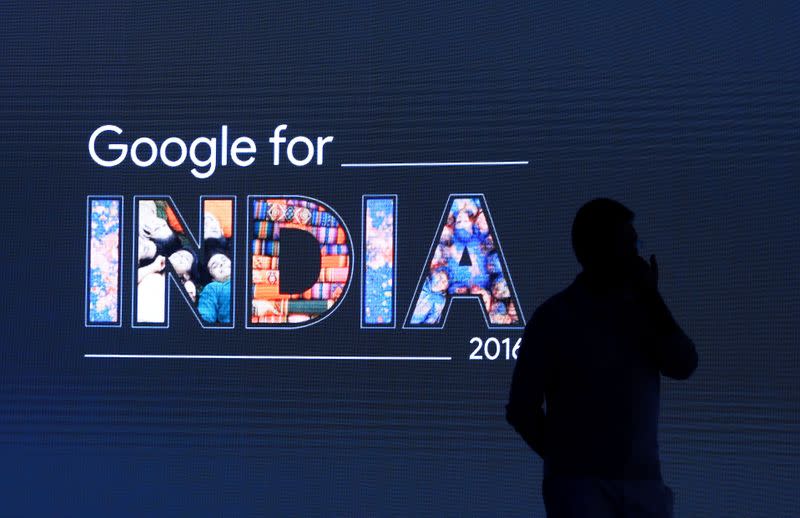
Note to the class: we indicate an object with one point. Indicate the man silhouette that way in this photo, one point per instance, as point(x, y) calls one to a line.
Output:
point(593, 354)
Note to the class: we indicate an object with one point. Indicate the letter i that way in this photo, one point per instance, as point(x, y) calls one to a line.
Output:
point(378, 261)
point(103, 261)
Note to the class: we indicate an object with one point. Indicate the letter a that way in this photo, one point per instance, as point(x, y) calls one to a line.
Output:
point(465, 261)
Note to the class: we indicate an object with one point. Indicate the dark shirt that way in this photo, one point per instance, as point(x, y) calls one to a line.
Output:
point(595, 356)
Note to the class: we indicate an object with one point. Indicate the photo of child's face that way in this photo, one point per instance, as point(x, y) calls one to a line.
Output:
point(488, 244)
point(447, 236)
point(147, 249)
point(440, 282)
point(147, 210)
point(500, 289)
point(463, 221)
point(156, 228)
point(181, 262)
point(481, 225)
point(211, 227)
point(219, 266)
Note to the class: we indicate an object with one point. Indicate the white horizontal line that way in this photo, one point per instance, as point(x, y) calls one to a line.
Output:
point(264, 357)
point(436, 164)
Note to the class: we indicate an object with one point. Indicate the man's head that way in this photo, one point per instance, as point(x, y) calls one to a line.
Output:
point(603, 237)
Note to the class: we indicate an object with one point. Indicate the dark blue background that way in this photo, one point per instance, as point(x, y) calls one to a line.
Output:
point(687, 112)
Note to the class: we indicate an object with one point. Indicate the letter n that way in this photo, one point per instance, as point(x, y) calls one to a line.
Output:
point(165, 247)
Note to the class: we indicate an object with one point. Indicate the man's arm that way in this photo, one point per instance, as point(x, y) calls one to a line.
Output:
point(674, 350)
point(524, 409)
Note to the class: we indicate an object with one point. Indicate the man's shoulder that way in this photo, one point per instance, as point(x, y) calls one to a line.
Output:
point(554, 306)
